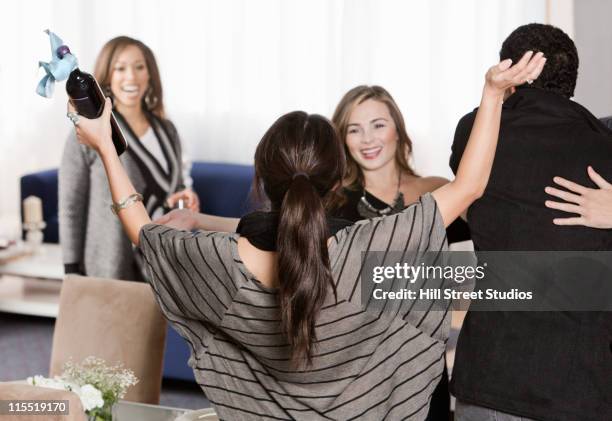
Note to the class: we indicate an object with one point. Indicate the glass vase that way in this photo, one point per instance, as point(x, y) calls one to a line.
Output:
point(102, 414)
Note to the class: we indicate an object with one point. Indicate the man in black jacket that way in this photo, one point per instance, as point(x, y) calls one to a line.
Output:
point(539, 365)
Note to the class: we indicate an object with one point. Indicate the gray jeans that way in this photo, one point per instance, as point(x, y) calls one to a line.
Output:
point(466, 412)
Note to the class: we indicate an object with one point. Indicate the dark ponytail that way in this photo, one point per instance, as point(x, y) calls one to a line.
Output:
point(298, 162)
point(303, 263)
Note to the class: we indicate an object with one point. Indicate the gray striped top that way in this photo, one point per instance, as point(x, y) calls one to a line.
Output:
point(367, 364)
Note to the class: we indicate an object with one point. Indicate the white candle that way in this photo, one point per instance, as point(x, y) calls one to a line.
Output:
point(32, 209)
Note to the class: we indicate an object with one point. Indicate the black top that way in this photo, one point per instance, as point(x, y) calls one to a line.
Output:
point(541, 365)
point(261, 228)
point(456, 232)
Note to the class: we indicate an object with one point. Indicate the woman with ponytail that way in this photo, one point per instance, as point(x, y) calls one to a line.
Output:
point(273, 313)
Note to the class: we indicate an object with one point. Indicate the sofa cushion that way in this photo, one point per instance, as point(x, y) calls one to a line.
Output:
point(224, 189)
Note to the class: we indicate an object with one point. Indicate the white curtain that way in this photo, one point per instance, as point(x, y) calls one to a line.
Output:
point(231, 67)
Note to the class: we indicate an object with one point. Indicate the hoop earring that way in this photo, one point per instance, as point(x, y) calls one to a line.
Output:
point(150, 99)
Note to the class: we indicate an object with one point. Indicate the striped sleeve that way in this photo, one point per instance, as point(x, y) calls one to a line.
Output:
point(188, 273)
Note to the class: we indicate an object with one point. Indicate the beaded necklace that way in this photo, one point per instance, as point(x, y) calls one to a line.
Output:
point(367, 210)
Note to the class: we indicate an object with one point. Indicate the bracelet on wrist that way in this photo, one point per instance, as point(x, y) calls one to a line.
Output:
point(128, 201)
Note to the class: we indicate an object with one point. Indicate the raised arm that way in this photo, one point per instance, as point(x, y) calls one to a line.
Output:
point(475, 166)
point(97, 134)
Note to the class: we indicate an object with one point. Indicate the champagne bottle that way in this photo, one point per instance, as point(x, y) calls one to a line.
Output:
point(88, 99)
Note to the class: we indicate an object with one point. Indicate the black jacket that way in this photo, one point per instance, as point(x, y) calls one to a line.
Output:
point(542, 365)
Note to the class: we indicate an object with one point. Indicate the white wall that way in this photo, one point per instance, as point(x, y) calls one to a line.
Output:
point(593, 37)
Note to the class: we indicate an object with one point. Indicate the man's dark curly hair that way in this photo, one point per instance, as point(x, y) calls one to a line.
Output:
point(561, 70)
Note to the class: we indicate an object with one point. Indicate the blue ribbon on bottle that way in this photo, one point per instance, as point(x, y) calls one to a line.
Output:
point(58, 68)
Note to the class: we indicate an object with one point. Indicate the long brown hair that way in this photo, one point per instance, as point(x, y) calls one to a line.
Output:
point(298, 162)
point(353, 179)
point(105, 64)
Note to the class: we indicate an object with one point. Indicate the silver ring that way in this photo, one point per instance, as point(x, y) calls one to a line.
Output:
point(74, 117)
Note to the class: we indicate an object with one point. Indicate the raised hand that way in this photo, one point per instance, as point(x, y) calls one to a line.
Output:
point(95, 133)
point(593, 206)
point(503, 76)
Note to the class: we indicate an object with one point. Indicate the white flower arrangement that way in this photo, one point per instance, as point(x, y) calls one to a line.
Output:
point(98, 386)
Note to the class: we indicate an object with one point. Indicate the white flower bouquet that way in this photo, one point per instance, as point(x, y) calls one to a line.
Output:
point(98, 385)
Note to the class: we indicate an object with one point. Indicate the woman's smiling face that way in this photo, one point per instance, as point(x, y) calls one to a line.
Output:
point(371, 136)
point(130, 77)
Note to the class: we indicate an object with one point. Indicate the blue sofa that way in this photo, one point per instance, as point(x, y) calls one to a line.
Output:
point(223, 190)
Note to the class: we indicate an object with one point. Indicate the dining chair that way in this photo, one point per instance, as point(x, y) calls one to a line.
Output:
point(117, 321)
